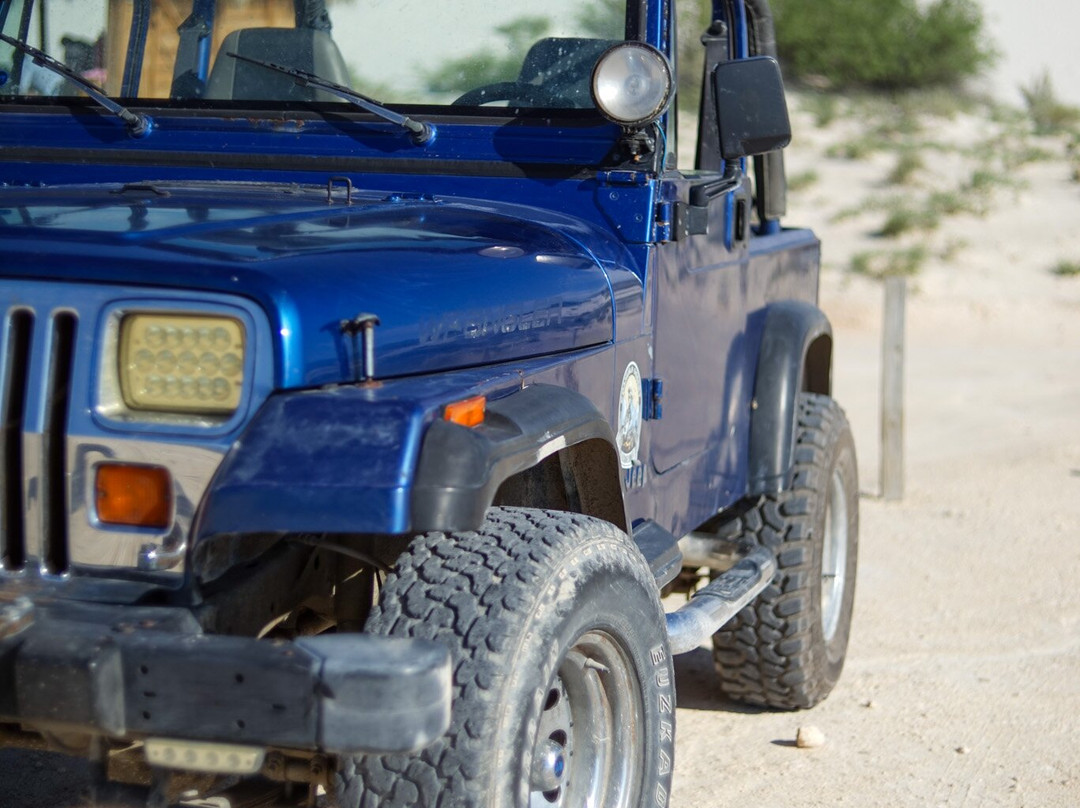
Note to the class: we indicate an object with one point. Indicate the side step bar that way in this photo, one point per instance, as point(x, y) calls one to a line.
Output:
point(711, 607)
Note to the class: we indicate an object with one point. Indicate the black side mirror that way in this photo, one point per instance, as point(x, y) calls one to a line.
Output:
point(751, 108)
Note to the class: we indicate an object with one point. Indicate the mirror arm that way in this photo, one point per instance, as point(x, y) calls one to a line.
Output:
point(692, 219)
point(703, 193)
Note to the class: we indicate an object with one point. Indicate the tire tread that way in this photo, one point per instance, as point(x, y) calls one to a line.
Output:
point(469, 589)
point(766, 655)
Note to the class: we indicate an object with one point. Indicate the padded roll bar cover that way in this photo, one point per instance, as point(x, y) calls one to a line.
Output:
point(769, 168)
point(762, 30)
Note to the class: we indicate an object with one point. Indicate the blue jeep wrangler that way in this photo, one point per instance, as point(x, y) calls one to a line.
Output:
point(349, 445)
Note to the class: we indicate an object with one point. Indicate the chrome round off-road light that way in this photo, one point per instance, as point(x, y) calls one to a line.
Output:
point(632, 84)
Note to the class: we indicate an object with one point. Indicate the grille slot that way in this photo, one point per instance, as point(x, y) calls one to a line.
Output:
point(55, 555)
point(14, 376)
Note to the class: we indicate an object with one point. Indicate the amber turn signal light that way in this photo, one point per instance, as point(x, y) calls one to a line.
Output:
point(137, 496)
point(468, 412)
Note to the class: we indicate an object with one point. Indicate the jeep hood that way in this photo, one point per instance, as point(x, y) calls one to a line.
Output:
point(455, 283)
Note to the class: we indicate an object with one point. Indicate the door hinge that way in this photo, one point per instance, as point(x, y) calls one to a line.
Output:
point(652, 399)
point(690, 220)
point(662, 224)
point(634, 178)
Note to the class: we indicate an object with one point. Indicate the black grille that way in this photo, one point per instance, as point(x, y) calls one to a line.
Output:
point(17, 386)
point(54, 456)
point(14, 374)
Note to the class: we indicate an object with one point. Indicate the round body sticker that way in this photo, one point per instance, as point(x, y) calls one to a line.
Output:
point(629, 434)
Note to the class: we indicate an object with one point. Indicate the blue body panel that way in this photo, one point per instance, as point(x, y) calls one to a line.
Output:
point(511, 250)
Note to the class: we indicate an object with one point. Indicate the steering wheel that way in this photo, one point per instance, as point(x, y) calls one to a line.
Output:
point(531, 95)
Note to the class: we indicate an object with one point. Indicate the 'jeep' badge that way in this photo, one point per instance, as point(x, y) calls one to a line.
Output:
point(629, 436)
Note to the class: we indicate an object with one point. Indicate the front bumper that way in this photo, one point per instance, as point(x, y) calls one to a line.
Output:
point(140, 672)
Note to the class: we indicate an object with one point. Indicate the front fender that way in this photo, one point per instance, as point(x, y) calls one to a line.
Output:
point(367, 460)
point(336, 460)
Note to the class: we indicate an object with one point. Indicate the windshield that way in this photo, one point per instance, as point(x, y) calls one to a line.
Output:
point(468, 53)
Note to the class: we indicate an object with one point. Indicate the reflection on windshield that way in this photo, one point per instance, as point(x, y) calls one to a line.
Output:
point(537, 53)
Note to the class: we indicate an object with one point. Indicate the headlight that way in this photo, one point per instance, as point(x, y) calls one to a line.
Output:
point(178, 363)
point(632, 84)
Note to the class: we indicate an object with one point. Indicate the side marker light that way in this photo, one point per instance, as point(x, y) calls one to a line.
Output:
point(468, 412)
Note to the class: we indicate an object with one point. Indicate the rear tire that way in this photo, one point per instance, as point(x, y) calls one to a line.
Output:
point(563, 689)
point(786, 649)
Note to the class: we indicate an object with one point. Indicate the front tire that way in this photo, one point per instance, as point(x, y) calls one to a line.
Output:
point(563, 685)
point(786, 649)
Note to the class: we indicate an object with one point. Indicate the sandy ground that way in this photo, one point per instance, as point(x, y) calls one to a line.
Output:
point(962, 686)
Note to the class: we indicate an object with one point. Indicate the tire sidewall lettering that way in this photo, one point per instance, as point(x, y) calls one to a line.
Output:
point(515, 598)
point(592, 567)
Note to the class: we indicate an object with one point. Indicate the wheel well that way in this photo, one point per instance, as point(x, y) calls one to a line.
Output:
point(583, 478)
point(817, 371)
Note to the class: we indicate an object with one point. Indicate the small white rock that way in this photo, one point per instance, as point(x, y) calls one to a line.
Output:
point(809, 738)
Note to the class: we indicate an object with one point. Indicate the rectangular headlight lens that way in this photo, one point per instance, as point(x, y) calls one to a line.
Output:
point(182, 363)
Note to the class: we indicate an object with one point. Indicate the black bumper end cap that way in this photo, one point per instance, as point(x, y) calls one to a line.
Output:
point(380, 694)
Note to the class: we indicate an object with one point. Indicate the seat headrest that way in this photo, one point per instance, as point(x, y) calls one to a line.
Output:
point(564, 65)
point(303, 48)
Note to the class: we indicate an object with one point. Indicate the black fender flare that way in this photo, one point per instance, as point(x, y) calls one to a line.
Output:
point(795, 357)
point(460, 469)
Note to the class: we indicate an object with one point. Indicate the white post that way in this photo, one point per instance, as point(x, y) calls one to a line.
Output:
point(892, 390)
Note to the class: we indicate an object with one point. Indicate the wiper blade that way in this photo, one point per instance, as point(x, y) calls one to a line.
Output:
point(138, 124)
point(420, 132)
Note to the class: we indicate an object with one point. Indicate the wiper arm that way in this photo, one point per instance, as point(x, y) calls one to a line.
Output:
point(138, 124)
point(420, 132)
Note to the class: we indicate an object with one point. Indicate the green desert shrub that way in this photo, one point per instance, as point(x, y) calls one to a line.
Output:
point(1066, 269)
point(1047, 112)
point(909, 163)
point(905, 219)
point(824, 107)
point(883, 44)
point(802, 180)
point(886, 263)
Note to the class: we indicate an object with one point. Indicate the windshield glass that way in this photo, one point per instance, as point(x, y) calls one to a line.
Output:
point(526, 53)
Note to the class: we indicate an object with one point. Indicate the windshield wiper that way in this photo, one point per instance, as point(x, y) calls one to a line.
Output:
point(420, 132)
point(138, 124)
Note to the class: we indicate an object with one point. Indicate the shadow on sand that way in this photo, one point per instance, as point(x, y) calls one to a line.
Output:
point(697, 686)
